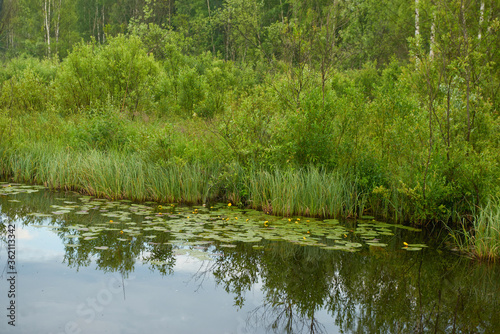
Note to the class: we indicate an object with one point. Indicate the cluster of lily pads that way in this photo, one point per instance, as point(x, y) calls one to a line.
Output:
point(7, 189)
point(200, 225)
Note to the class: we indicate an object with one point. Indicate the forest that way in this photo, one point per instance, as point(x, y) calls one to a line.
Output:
point(339, 108)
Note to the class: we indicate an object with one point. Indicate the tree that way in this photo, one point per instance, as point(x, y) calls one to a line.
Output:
point(8, 10)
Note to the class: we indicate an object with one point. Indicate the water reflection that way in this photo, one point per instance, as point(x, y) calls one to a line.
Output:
point(301, 289)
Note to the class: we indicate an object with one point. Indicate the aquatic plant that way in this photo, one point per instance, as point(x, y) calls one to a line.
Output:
point(486, 239)
point(309, 192)
point(482, 241)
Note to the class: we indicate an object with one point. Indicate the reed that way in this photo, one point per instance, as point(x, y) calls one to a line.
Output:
point(486, 239)
point(483, 240)
point(112, 174)
point(308, 192)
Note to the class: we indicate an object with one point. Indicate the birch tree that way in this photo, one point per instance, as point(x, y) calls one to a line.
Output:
point(417, 27)
point(46, 23)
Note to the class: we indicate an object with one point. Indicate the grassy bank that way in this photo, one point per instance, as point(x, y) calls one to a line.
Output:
point(195, 129)
point(117, 175)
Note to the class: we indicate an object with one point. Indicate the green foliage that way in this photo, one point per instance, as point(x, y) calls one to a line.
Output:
point(103, 132)
point(483, 241)
point(308, 108)
point(24, 93)
point(25, 85)
point(121, 72)
point(191, 90)
point(45, 69)
point(310, 130)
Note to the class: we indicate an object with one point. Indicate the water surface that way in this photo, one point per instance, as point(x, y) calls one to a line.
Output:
point(96, 266)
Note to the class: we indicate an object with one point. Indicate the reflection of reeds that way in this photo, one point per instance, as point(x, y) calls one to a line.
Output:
point(483, 242)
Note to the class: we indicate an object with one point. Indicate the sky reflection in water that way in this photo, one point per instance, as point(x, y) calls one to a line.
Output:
point(53, 298)
point(147, 283)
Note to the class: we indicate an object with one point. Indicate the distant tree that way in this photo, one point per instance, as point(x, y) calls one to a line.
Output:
point(8, 10)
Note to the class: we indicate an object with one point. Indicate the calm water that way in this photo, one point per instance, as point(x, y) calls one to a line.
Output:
point(87, 266)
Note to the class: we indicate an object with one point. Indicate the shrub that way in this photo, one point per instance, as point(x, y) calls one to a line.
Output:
point(120, 72)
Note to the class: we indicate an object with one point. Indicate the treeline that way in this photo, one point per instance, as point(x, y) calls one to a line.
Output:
point(391, 106)
point(344, 33)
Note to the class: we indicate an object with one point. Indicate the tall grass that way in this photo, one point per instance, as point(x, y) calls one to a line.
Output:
point(487, 231)
point(111, 174)
point(483, 241)
point(116, 175)
point(309, 192)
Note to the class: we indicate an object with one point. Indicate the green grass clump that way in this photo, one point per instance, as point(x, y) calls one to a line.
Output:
point(308, 192)
point(483, 241)
point(487, 231)
point(108, 174)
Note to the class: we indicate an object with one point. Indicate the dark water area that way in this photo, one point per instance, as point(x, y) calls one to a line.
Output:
point(84, 265)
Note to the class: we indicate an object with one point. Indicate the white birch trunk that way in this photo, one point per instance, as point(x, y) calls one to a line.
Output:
point(481, 18)
point(103, 30)
point(417, 23)
point(46, 14)
point(417, 30)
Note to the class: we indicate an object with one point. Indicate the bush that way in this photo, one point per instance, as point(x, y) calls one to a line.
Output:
point(25, 92)
point(103, 130)
point(120, 72)
point(45, 69)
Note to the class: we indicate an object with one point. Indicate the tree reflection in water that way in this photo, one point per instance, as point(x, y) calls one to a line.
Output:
point(375, 290)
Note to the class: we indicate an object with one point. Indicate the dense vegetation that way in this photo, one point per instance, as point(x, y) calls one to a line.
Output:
point(325, 108)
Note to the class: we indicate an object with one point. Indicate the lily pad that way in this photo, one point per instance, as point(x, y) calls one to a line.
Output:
point(417, 245)
point(376, 244)
point(89, 234)
point(37, 214)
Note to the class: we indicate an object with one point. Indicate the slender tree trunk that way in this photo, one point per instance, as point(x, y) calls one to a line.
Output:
point(228, 35)
point(467, 67)
point(448, 120)
point(211, 29)
point(96, 22)
point(417, 20)
point(282, 16)
point(481, 18)
point(417, 29)
point(103, 25)
point(433, 36)
point(10, 39)
point(58, 25)
point(46, 17)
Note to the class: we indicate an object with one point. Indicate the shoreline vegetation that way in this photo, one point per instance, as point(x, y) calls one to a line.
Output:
point(308, 192)
point(294, 120)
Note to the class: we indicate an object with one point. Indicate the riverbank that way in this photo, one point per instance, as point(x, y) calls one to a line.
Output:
point(46, 153)
point(201, 129)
